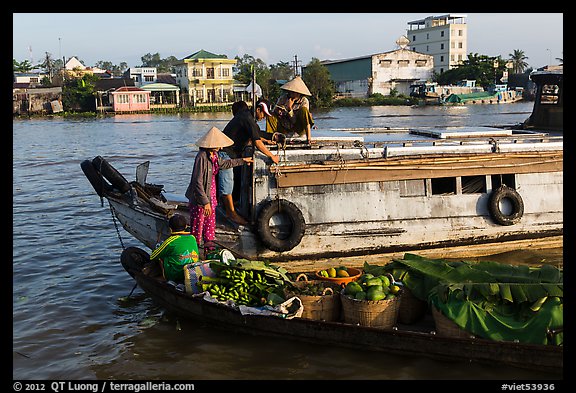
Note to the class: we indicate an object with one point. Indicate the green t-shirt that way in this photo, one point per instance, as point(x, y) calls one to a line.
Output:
point(178, 250)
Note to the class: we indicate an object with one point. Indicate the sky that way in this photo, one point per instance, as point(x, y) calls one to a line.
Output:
point(271, 37)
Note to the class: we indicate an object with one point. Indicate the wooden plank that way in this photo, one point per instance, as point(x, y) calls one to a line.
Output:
point(357, 172)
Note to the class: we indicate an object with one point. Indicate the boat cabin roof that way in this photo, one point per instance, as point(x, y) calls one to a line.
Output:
point(403, 141)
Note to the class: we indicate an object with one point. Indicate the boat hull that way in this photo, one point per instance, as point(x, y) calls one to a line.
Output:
point(390, 341)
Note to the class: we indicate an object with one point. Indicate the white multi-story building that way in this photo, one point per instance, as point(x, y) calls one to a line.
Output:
point(444, 37)
point(142, 75)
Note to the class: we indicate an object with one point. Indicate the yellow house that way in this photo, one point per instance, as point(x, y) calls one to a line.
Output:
point(205, 79)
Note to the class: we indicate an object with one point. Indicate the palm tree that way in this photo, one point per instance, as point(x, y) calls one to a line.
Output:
point(518, 61)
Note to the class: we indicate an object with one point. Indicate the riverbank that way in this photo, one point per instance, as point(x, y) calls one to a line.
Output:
point(374, 100)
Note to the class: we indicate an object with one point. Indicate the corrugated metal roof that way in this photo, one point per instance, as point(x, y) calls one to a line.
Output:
point(160, 87)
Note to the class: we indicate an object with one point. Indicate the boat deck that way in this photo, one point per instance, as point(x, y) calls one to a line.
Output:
point(429, 136)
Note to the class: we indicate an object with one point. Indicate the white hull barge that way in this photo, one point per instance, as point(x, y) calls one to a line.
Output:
point(435, 189)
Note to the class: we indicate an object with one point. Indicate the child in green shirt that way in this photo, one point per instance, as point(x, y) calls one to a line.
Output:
point(178, 250)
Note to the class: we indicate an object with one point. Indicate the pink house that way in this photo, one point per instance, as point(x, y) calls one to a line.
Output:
point(130, 99)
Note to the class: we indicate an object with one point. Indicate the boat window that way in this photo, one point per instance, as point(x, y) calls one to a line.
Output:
point(549, 94)
point(444, 186)
point(410, 188)
point(508, 179)
point(473, 184)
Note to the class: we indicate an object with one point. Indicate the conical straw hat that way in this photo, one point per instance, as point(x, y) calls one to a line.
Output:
point(214, 138)
point(296, 85)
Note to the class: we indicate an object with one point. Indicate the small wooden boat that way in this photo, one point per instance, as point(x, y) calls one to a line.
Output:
point(417, 340)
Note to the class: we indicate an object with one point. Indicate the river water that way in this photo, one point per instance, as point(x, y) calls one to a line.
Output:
point(71, 315)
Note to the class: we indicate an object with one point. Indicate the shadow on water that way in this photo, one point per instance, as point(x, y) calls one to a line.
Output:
point(188, 350)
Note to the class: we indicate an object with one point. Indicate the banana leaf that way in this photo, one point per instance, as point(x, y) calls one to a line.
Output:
point(494, 280)
point(500, 292)
point(505, 321)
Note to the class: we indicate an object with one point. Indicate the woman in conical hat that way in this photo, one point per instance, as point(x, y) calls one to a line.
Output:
point(291, 115)
point(201, 191)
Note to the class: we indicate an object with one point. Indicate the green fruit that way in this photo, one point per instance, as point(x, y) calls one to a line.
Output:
point(390, 296)
point(375, 293)
point(373, 281)
point(364, 277)
point(385, 280)
point(352, 288)
point(323, 273)
point(360, 295)
point(331, 272)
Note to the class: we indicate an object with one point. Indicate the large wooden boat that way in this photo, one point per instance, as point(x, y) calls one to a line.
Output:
point(418, 339)
point(548, 111)
point(470, 190)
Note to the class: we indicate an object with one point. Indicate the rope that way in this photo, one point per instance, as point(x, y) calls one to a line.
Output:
point(116, 225)
point(133, 288)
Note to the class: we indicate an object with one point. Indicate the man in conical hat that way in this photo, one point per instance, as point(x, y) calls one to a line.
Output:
point(201, 191)
point(291, 115)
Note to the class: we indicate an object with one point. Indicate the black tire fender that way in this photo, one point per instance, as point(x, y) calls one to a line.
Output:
point(497, 196)
point(134, 259)
point(100, 185)
point(270, 236)
point(111, 174)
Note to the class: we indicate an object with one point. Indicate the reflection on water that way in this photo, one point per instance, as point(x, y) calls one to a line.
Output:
point(71, 315)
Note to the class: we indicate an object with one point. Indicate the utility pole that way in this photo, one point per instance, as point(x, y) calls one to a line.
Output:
point(296, 63)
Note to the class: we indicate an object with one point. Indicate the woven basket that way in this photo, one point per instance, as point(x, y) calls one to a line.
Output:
point(412, 309)
point(373, 313)
point(447, 328)
point(325, 307)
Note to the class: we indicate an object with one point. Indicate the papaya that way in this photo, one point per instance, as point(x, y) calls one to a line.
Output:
point(352, 288)
point(373, 281)
point(385, 280)
point(375, 293)
point(331, 272)
point(361, 295)
point(342, 273)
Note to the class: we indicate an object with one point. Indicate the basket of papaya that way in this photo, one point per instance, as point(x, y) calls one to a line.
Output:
point(371, 301)
point(339, 275)
point(320, 299)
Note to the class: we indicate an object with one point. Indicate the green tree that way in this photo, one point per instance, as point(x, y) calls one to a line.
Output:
point(49, 66)
point(484, 69)
point(518, 60)
point(78, 93)
point(154, 60)
point(317, 78)
point(24, 66)
point(243, 72)
point(151, 60)
point(281, 71)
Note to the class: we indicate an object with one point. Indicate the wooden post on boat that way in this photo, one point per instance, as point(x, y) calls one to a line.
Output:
point(253, 91)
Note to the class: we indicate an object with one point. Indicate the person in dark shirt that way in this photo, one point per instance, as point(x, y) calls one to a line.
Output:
point(244, 130)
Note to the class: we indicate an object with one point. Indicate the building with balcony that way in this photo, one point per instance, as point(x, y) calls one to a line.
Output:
point(142, 75)
point(205, 79)
point(444, 37)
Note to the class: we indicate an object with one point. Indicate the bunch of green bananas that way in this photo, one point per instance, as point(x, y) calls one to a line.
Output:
point(247, 287)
